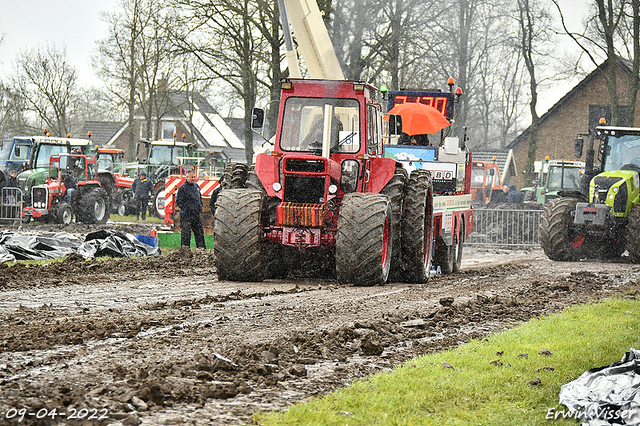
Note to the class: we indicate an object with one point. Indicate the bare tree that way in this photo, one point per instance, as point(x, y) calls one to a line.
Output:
point(13, 119)
point(117, 58)
point(47, 82)
point(527, 22)
point(607, 34)
point(221, 34)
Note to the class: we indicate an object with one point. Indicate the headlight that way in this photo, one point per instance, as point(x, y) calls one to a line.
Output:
point(333, 189)
point(276, 186)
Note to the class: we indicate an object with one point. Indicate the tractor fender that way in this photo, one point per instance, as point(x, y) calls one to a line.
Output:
point(382, 170)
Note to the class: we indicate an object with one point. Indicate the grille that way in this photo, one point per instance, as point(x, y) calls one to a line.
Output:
point(303, 189)
point(620, 200)
point(307, 215)
point(602, 185)
point(39, 197)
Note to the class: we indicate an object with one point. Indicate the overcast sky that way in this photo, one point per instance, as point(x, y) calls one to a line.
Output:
point(76, 24)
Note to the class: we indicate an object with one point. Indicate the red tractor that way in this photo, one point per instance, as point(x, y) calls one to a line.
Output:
point(326, 193)
point(89, 202)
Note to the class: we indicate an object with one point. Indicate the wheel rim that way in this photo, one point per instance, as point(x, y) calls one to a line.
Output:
point(576, 241)
point(121, 209)
point(160, 203)
point(99, 209)
point(67, 215)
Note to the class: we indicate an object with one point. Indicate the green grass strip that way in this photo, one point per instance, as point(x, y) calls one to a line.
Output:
point(477, 392)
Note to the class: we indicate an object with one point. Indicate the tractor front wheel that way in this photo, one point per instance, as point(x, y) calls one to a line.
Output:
point(239, 250)
point(559, 239)
point(64, 214)
point(364, 241)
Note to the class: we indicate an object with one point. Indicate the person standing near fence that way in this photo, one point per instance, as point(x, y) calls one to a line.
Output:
point(189, 200)
point(141, 188)
point(514, 196)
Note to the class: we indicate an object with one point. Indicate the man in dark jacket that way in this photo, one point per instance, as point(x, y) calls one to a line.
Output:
point(12, 182)
point(514, 195)
point(141, 188)
point(189, 200)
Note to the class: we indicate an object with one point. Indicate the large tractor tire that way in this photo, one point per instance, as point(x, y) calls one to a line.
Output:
point(395, 190)
point(364, 242)
point(277, 263)
point(417, 228)
point(93, 207)
point(633, 235)
point(558, 238)
point(235, 175)
point(240, 253)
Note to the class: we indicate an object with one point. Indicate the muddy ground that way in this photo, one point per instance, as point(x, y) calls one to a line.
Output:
point(161, 341)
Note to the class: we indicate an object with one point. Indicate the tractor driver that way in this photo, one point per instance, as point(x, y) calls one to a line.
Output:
point(70, 186)
point(313, 140)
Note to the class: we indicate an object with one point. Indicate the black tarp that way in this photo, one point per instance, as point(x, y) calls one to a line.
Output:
point(607, 395)
point(56, 245)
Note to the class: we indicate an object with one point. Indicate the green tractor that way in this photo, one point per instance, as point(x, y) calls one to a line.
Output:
point(553, 177)
point(601, 219)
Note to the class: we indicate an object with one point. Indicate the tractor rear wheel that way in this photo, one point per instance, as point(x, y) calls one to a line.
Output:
point(94, 207)
point(417, 228)
point(633, 235)
point(239, 250)
point(364, 241)
point(395, 190)
point(559, 239)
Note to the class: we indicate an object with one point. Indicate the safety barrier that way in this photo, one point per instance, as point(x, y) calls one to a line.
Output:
point(505, 227)
point(11, 204)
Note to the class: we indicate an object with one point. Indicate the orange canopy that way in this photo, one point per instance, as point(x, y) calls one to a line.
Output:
point(419, 119)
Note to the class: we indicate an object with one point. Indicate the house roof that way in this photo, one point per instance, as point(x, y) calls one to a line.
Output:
point(625, 65)
point(101, 131)
point(504, 158)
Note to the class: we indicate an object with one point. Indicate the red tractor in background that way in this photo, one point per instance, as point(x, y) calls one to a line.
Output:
point(485, 179)
point(326, 193)
point(89, 202)
point(113, 176)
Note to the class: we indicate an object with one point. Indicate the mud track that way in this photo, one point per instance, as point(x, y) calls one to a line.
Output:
point(162, 341)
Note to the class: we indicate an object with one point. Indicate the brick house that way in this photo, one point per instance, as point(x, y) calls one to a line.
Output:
point(576, 112)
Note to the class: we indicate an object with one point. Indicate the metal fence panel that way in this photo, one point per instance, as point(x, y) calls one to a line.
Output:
point(505, 227)
point(11, 204)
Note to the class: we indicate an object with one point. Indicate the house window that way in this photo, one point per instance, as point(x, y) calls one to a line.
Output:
point(168, 129)
point(143, 131)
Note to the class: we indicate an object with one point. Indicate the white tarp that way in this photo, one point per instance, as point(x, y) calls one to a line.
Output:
point(607, 395)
